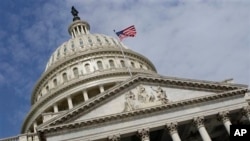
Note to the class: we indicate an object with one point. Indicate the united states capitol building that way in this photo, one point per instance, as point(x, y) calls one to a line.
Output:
point(90, 92)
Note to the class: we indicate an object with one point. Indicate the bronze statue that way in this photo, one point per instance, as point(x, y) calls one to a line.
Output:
point(74, 12)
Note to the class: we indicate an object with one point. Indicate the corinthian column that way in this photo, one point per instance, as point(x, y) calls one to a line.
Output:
point(144, 134)
point(199, 122)
point(172, 129)
point(114, 138)
point(223, 116)
point(246, 112)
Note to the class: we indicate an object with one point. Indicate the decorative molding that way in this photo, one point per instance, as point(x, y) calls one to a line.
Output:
point(114, 138)
point(143, 134)
point(223, 116)
point(246, 111)
point(198, 122)
point(172, 127)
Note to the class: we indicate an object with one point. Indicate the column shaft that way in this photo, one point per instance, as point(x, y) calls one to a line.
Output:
point(85, 95)
point(70, 104)
point(101, 89)
point(199, 122)
point(55, 107)
point(204, 134)
point(34, 126)
point(223, 116)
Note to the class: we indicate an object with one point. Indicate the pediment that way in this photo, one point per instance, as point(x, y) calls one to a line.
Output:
point(144, 92)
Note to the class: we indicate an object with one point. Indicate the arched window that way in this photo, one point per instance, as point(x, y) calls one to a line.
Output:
point(75, 71)
point(81, 43)
point(87, 68)
point(122, 63)
point(99, 65)
point(133, 64)
point(47, 88)
point(65, 77)
point(141, 66)
point(55, 82)
point(111, 64)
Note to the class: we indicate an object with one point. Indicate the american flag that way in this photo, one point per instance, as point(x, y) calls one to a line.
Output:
point(127, 32)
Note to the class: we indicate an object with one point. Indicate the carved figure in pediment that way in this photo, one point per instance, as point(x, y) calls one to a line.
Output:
point(130, 103)
point(161, 95)
point(143, 96)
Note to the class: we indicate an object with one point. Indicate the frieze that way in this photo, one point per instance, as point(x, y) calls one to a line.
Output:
point(141, 98)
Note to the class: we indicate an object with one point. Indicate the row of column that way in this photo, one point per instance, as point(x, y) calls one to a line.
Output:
point(197, 121)
point(69, 99)
point(70, 103)
point(78, 30)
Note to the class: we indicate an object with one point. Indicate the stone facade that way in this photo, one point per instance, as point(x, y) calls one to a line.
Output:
point(87, 94)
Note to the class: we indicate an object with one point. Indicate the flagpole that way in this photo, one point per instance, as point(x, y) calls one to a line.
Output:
point(125, 58)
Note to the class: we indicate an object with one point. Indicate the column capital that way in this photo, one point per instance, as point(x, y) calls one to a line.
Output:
point(245, 111)
point(171, 127)
point(223, 116)
point(114, 138)
point(143, 134)
point(198, 121)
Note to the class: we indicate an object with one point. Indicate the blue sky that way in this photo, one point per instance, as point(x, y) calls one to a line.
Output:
point(198, 39)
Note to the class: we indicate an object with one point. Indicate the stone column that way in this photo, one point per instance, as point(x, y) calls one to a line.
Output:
point(246, 112)
point(101, 88)
point(223, 116)
point(85, 95)
point(34, 126)
point(144, 134)
point(199, 122)
point(114, 138)
point(70, 104)
point(172, 129)
point(55, 107)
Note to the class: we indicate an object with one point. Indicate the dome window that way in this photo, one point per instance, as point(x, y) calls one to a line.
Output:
point(98, 40)
point(99, 65)
point(65, 77)
point(55, 82)
point(65, 49)
point(133, 64)
point(76, 72)
point(106, 40)
point(87, 68)
point(122, 64)
point(111, 64)
point(72, 46)
point(90, 41)
point(81, 43)
point(58, 53)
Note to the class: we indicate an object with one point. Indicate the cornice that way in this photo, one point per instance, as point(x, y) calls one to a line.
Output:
point(59, 125)
point(77, 56)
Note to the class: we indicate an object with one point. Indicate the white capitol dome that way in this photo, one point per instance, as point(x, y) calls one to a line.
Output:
point(80, 69)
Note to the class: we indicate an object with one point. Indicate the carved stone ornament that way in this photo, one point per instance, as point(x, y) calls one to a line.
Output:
point(199, 122)
point(246, 111)
point(143, 134)
point(172, 127)
point(114, 138)
point(141, 98)
point(223, 116)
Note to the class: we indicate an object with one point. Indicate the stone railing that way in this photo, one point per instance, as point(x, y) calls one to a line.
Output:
point(22, 137)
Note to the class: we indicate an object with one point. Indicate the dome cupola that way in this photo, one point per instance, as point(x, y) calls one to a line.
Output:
point(78, 27)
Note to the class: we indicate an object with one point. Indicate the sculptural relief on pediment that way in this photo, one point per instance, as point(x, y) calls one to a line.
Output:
point(140, 97)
